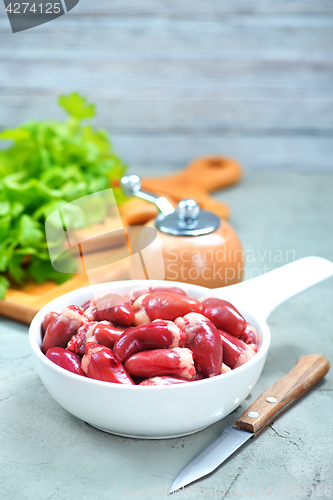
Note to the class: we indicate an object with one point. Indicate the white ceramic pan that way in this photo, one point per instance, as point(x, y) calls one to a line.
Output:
point(171, 411)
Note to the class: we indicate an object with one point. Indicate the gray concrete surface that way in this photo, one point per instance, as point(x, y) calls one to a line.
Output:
point(46, 453)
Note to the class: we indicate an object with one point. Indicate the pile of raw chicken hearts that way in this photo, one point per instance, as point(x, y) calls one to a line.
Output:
point(152, 336)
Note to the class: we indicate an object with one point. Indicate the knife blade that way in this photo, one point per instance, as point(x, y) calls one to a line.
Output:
point(271, 404)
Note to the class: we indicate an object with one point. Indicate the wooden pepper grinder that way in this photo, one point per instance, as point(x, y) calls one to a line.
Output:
point(198, 247)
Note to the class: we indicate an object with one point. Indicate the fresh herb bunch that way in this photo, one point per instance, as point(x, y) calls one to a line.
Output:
point(49, 164)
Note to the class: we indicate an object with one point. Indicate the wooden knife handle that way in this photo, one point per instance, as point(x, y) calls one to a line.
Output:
point(306, 373)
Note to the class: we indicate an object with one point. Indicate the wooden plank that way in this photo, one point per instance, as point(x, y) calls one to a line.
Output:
point(255, 151)
point(241, 79)
point(247, 38)
point(307, 153)
point(173, 79)
point(167, 111)
point(144, 60)
point(193, 8)
point(153, 67)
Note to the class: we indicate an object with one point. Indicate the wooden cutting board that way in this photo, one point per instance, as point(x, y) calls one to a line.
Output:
point(196, 181)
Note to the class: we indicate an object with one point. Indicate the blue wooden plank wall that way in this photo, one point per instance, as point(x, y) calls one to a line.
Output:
point(174, 79)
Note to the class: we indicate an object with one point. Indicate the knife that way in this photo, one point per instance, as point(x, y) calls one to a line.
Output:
point(271, 404)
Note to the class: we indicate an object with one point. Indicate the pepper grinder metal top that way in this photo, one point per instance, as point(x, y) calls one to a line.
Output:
point(187, 220)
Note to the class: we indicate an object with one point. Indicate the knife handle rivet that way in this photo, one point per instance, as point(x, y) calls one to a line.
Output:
point(253, 414)
point(271, 399)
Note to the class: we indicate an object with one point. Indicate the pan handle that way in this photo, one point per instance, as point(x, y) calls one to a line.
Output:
point(263, 294)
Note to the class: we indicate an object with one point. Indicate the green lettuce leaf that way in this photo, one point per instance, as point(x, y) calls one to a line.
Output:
point(47, 165)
